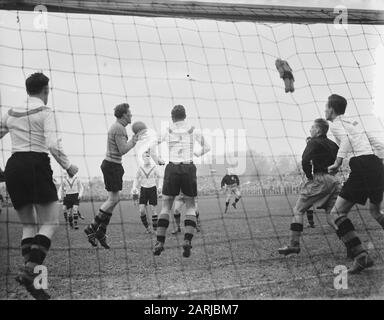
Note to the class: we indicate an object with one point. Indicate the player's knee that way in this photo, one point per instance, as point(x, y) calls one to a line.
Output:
point(142, 211)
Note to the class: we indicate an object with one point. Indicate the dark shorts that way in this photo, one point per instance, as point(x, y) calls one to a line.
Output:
point(366, 180)
point(28, 178)
point(113, 175)
point(148, 195)
point(71, 200)
point(180, 177)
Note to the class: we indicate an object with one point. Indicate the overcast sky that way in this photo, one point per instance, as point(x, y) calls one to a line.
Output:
point(95, 62)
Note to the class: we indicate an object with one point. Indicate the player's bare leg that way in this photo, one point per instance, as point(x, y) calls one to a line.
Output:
point(98, 228)
point(311, 222)
point(227, 200)
point(190, 225)
point(237, 198)
point(162, 224)
point(177, 216)
point(296, 230)
point(346, 232)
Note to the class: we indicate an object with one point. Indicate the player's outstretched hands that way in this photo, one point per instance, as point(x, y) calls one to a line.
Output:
point(72, 170)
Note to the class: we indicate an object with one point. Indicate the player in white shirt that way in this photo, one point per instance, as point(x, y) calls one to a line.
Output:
point(146, 184)
point(180, 176)
point(72, 190)
point(366, 180)
point(34, 133)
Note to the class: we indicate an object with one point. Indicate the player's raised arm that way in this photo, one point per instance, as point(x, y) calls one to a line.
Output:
point(205, 148)
point(122, 145)
point(54, 143)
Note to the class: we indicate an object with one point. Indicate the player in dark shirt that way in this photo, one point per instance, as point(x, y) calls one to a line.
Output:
point(231, 183)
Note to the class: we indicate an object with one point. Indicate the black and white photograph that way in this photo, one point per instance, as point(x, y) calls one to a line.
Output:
point(209, 151)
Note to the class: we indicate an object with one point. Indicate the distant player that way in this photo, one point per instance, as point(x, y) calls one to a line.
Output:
point(366, 180)
point(177, 207)
point(231, 184)
point(72, 190)
point(147, 181)
point(180, 176)
point(113, 171)
point(321, 189)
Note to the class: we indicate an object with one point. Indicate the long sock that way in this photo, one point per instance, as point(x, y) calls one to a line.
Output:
point(102, 217)
point(26, 245)
point(39, 250)
point(197, 217)
point(226, 205)
point(154, 221)
point(162, 226)
point(310, 216)
point(346, 233)
point(144, 220)
point(190, 227)
point(296, 230)
point(66, 215)
point(177, 217)
point(237, 200)
point(75, 217)
point(105, 219)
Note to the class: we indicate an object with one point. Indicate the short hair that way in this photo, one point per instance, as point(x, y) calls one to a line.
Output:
point(323, 125)
point(121, 109)
point(337, 103)
point(178, 112)
point(36, 82)
point(307, 139)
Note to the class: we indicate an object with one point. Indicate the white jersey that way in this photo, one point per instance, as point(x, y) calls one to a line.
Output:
point(71, 186)
point(146, 177)
point(181, 138)
point(34, 128)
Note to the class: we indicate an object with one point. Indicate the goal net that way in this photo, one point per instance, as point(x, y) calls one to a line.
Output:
point(218, 60)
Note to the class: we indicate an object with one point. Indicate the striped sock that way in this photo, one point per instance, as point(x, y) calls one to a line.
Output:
point(154, 221)
point(144, 220)
point(26, 245)
point(346, 233)
point(190, 227)
point(310, 216)
point(296, 230)
point(162, 225)
point(39, 250)
point(102, 220)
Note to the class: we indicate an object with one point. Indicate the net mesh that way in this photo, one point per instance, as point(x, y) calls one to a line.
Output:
point(224, 73)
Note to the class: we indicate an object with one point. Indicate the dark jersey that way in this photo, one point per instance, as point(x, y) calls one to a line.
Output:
point(319, 153)
point(230, 180)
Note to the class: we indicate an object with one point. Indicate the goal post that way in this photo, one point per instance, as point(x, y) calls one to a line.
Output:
point(202, 10)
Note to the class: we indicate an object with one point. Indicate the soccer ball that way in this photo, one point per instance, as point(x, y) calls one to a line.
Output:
point(138, 126)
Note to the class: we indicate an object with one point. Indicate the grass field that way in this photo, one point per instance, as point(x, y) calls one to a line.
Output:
point(233, 257)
